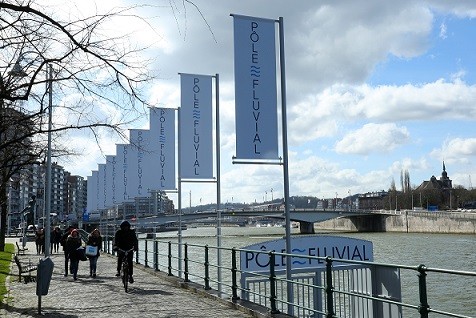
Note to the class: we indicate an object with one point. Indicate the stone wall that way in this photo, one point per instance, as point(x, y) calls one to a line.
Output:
point(404, 222)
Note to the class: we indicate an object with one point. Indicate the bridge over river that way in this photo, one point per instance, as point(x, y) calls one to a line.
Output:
point(305, 217)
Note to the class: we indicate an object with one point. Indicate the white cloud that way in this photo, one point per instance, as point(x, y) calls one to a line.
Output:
point(437, 100)
point(456, 150)
point(373, 138)
point(443, 30)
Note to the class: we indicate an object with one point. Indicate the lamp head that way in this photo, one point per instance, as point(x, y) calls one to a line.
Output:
point(17, 70)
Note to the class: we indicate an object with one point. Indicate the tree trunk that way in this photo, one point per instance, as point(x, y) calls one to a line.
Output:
point(3, 217)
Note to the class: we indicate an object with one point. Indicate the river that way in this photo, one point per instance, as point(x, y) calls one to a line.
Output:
point(447, 251)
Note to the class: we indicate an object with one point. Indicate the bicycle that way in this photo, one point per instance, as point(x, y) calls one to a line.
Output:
point(125, 267)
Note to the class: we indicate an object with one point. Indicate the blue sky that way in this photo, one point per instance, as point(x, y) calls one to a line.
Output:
point(374, 87)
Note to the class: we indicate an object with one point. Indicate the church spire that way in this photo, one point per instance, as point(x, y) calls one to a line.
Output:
point(444, 168)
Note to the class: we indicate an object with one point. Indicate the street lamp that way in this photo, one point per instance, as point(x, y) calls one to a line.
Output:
point(24, 213)
point(16, 71)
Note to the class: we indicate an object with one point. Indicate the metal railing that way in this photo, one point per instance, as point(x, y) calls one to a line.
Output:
point(342, 289)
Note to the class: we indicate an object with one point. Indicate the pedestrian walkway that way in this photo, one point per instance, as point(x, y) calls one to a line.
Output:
point(151, 295)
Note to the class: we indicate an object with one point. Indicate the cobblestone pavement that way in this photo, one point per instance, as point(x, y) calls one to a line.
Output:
point(150, 296)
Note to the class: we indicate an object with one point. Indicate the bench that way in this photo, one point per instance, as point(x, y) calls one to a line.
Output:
point(21, 250)
point(25, 268)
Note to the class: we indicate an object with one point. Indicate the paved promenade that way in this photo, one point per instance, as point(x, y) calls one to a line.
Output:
point(151, 295)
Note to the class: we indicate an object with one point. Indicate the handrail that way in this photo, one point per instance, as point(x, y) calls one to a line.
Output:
point(197, 265)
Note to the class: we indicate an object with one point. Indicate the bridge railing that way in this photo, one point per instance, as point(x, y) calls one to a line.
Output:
point(342, 289)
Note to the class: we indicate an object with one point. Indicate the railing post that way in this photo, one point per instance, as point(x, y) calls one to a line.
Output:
point(207, 269)
point(272, 283)
point(156, 255)
point(234, 285)
point(170, 259)
point(145, 254)
point(185, 260)
point(329, 289)
point(137, 256)
point(109, 250)
point(423, 309)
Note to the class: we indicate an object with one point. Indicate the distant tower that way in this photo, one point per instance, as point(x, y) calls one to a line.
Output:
point(444, 180)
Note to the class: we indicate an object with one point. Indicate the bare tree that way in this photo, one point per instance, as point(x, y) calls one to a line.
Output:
point(94, 69)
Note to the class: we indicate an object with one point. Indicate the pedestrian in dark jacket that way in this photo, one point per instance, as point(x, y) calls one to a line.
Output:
point(40, 240)
point(55, 239)
point(73, 242)
point(65, 251)
point(125, 239)
point(94, 239)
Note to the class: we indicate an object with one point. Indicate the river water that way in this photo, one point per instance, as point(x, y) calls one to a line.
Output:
point(446, 251)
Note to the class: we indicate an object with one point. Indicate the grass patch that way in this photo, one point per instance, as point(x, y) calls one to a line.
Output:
point(5, 262)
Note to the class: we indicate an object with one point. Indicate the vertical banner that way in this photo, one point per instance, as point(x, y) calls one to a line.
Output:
point(196, 150)
point(121, 172)
point(110, 180)
point(162, 129)
point(92, 191)
point(101, 186)
point(255, 88)
point(136, 172)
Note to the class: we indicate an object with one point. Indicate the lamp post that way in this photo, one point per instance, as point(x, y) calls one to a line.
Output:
point(335, 206)
point(48, 164)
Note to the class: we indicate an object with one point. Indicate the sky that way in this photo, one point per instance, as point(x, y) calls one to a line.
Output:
point(373, 88)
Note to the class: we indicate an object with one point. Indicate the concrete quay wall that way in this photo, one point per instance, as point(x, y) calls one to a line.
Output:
point(408, 222)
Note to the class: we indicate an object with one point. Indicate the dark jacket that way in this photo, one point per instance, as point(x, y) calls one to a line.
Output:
point(71, 246)
point(95, 241)
point(126, 239)
point(55, 236)
point(40, 237)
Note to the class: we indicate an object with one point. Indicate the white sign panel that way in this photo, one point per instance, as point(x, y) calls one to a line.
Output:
point(320, 246)
point(196, 152)
point(255, 88)
point(162, 129)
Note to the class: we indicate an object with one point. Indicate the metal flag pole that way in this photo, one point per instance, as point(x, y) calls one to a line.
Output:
point(285, 167)
point(179, 198)
point(217, 147)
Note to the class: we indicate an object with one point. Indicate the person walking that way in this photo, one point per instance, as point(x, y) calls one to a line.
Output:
point(125, 239)
point(94, 239)
point(55, 239)
point(40, 240)
point(63, 239)
point(73, 242)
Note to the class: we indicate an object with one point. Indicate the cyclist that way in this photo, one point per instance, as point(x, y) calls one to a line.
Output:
point(125, 239)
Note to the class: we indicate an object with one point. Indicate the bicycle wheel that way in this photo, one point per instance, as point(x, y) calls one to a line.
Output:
point(125, 275)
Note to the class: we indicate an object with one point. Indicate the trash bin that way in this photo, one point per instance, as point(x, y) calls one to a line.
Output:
point(43, 276)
